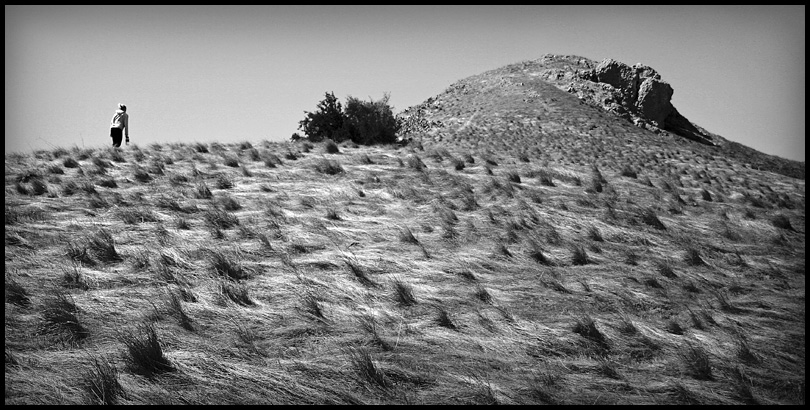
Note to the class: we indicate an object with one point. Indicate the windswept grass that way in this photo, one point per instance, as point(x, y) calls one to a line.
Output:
point(468, 271)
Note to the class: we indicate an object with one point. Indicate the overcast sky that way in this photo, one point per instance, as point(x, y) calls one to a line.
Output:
point(248, 73)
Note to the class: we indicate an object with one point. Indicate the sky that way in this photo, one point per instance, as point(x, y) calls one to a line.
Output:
point(249, 73)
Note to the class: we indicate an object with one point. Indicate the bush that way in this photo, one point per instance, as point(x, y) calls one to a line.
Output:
point(362, 122)
point(326, 122)
point(371, 122)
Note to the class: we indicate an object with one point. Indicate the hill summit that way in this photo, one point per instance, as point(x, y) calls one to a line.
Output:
point(565, 95)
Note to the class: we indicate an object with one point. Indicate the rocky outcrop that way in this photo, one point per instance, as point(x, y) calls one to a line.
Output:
point(638, 93)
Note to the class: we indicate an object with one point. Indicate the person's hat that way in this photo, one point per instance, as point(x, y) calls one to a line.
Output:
point(122, 107)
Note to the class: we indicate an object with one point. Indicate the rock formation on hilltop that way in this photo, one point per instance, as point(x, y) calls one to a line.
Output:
point(636, 93)
point(567, 96)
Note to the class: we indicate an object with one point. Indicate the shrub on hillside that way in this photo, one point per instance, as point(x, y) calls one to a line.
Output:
point(371, 122)
point(362, 122)
point(326, 122)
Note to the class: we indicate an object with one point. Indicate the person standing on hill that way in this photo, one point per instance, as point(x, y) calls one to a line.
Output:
point(119, 125)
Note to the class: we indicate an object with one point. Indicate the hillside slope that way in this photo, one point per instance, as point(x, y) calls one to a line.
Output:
point(563, 97)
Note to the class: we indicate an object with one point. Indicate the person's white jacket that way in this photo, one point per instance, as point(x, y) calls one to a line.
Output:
point(121, 120)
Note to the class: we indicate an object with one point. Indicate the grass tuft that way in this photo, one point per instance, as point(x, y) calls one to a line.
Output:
point(311, 306)
point(237, 292)
point(102, 382)
point(696, 362)
point(579, 256)
point(443, 319)
point(202, 191)
point(328, 167)
point(665, 269)
point(368, 372)
point(226, 267)
point(369, 324)
point(220, 219)
point(692, 257)
point(405, 235)
point(482, 294)
point(16, 293)
point(360, 273)
point(782, 222)
point(102, 245)
point(403, 293)
point(78, 254)
point(330, 147)
point(649, 217)
point(537, 255)
point(586, 327)
point(145, 352)
point(594, 234)
point(60, 319)
point(672, 326)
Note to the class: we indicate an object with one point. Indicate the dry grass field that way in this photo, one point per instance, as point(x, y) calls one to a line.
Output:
point(454, 272)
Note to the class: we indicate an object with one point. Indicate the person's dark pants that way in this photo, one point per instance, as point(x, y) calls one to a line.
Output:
point(116, 134)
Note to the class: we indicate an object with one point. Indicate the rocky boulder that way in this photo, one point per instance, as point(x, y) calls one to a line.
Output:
point(637, 93)
point(640, 88)
point(653, 101)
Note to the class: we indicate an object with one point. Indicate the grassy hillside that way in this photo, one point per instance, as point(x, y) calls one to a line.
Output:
point(466, 271)
point(545, 99)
